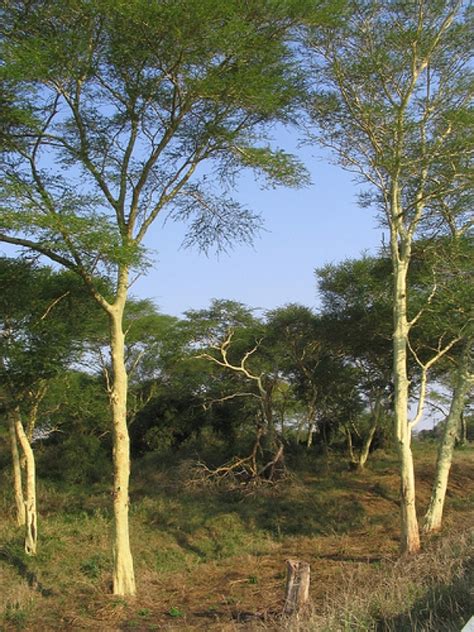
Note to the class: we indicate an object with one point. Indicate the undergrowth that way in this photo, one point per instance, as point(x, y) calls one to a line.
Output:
point(211, 559)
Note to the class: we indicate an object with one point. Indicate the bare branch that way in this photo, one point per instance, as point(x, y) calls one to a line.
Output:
point(53, 304)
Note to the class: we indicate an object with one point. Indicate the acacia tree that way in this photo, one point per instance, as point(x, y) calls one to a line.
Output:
point(293, 330)
point(44, 316)
point(450, 311)
point(310, 363)
point(230, 337)
point(26, 362)
point(393, 103)
point(463, 381)
point(129, 99)
point(356, 308)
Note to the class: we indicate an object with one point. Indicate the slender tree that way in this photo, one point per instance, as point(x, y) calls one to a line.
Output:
point(129, 99)
point(42, 330)
point(393, 103)
point(464, 381)
point(451, 313)
point(356, 309)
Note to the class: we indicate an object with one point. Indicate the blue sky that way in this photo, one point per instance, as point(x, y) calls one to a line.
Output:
point(304, 229)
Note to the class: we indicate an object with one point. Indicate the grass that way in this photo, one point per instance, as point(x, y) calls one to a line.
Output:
point(432, 592)
point(210, 560)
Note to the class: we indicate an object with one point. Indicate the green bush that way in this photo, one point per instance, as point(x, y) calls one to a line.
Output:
point(80, 459)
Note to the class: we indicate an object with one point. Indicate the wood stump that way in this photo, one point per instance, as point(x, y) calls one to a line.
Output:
point(297, 586)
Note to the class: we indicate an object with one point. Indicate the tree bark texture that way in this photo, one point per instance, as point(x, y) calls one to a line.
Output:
point(434, 515)
point(16, 471)
point(410, 536)
point(123, 576)
point(298, 576)
point(31, 518)
point(309, 439)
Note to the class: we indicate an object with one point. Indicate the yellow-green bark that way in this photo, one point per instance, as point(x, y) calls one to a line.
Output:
point(434, 514)
point(16, 472)
point(31, 518)
point(123, 575)
point(410, 536)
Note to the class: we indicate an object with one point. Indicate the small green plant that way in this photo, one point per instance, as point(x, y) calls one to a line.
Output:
point(118, 601)
point(144, 612)
point(175, 612)
point(93, 566)
point(16, 616)
point(252, 579)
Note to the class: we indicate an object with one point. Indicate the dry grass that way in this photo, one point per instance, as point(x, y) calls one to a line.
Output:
point(209, 560)
point(431, 592)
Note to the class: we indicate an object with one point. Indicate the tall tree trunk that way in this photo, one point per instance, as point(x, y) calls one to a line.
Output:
point(31, 518)
point(16, 470)
point(434, 514)
point(410, 540)
point(123, 577)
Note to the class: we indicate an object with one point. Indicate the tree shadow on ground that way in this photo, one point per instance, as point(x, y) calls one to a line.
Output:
point(280, 514)
point(9, 554)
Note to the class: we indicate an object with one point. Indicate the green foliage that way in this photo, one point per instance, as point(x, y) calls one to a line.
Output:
point(392, 85)
point(46, 318)
point(78, 459)
point(322, 383)
point(277, 166)
point(15, 118)
point(94, 566)
point(133, 97)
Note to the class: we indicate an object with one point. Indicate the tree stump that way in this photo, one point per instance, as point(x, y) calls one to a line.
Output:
point(297, 586)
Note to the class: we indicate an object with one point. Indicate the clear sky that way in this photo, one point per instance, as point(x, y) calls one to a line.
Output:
point(304, 229)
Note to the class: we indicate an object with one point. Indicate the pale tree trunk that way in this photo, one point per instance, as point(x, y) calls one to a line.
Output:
point(434, 515)
point(311, 420)
point(366, 445)
point(311, 429)
point(31, 518)
point(299, 431)
point(123, 577)
point(365, 450)
point(16, 470)
point(350, 445)
point(410, 540)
